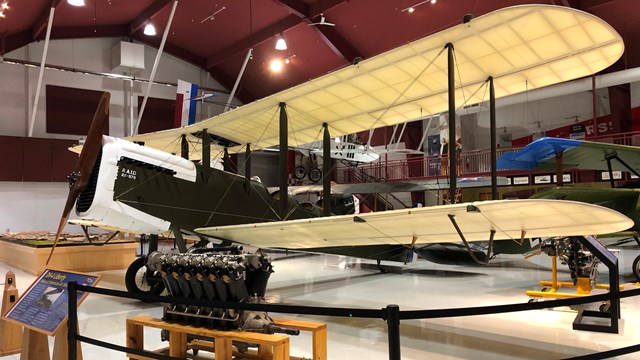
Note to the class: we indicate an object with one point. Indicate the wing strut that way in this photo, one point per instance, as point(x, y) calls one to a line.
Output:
point(622, 162)
point(466, 244)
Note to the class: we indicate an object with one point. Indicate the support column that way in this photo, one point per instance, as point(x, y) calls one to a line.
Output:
point(326, 171)
point(155, 66)
point(226, 163)
point(247, 163)
point(559, 167)
point(492, 126)
point(206, 155)
point(184, 147)
point(283, 160)
point(452, 124)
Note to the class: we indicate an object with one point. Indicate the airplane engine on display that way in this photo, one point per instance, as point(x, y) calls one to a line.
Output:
point(581, 262)
point(222, 274)
point(97, 203)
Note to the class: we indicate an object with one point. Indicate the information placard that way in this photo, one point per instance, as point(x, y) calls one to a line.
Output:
point(44, 306)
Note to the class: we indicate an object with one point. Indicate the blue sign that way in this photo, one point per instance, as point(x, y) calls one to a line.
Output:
point(44, 306)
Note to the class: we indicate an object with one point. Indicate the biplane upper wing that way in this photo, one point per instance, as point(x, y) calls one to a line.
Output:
point(511, 219)
point(576, 154)
point(532, 45)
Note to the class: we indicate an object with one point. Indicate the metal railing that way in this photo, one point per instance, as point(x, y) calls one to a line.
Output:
point(391, 314)
point(468, 163)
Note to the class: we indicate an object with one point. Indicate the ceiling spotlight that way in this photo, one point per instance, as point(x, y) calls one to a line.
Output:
point(4, 6)
point(411, 10)
point(76, 2)
point(276, 65)
point(150, 29)
point(288, 60)
point(434, 1)
point(281, 44)
point(2, 15)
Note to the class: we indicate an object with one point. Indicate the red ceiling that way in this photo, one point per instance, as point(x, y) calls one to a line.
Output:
point(363, 28)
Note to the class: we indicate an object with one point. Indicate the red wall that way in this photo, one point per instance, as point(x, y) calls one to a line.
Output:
point(36, 159)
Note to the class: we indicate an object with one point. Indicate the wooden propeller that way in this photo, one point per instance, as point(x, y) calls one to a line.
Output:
point(81, 173)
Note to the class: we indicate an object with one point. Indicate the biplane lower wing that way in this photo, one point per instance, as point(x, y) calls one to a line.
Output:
point(511, 219)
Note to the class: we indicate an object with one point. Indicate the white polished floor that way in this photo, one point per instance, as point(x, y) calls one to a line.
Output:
point(347, 282)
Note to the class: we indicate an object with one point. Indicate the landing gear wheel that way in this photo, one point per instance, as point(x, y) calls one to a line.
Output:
point(636, 268)
point(533, 300)
point(604, 307)
point(137, 278)
point(315, 175)
point(299, 172)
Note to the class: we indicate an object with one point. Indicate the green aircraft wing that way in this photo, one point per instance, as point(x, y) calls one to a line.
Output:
point(576, 154)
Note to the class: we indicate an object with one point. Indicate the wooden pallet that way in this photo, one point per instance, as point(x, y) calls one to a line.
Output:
point(274, 346)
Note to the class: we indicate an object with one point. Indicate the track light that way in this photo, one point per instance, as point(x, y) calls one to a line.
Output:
point(289, 59)
point(412, 8)
point(150, 29)
point(76, 2)
point(280, 43)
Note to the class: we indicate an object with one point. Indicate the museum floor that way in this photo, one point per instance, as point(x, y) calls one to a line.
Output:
point(347, 282)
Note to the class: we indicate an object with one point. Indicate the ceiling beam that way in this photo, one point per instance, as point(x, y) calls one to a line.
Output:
point(175, 50)
point(590, 5)
point(296, 7)
point(322, 6)
point(79, 32)
point(300, 12)
point(244, 95)
point(41, 25)
point(329, 35)
point(250, 41)
point(146, 15)
point(561, 3)
point(15, 41)
point(336, 42)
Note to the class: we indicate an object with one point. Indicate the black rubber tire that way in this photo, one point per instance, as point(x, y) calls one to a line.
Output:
point(636, 268)
point(315, 175)
point(136, 278)
point(299, 172)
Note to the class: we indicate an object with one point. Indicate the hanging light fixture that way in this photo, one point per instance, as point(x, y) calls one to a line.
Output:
point(280, 43)
point(76, 2)
point(150, 30)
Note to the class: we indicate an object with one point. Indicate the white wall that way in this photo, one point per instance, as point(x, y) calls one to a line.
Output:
point(18, 83)
point(28, 206)
point(523, 119)
point(31, 206)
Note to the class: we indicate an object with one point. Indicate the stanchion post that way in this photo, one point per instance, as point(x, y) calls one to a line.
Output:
point(72, 321)
point(393, 331)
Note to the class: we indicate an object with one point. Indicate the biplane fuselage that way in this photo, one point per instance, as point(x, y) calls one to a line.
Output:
point(148, 191)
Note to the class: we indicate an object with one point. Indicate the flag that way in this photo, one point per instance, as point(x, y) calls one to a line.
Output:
point(185, 104)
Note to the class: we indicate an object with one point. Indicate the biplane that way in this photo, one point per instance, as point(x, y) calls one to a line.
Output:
point(150, 189)
point(550, 154)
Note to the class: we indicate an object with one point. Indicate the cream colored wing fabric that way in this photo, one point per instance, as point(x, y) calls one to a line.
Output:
point(509, 218)
point(522, 47)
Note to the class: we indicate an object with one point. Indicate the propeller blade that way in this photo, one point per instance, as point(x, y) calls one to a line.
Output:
point(79, 178)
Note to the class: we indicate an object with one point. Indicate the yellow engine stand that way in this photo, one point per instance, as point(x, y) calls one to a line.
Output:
point(582, 286)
